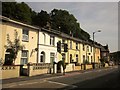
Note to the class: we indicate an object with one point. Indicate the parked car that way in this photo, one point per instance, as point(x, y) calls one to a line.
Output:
point(119, 66)
point(111, 63)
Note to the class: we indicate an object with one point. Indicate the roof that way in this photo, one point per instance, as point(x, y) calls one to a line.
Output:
point(16, 22)
point(52, 31)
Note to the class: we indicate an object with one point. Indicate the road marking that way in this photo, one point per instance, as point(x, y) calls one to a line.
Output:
point(72, 86)
point(58, 83)
point(12, 85)
point(28, 83)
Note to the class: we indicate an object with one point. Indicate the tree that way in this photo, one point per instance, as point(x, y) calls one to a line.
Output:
point(60, 20)
point(67, 23)
point(8, 9)
point(23, 13)
point(41, 18)
point(17, 11)
point(13, 47)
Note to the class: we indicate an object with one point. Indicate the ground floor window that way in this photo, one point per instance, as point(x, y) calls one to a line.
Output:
point(52, 57)
point(24, 57)
point(42, 56)
point(84, 59)
point(91, 59)
point(63, 56)
point(77, 58)
point(71, 58)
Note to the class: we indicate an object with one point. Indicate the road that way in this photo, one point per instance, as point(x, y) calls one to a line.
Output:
point(101, 78)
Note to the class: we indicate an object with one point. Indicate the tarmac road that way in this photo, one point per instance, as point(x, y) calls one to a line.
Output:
point(100, 78)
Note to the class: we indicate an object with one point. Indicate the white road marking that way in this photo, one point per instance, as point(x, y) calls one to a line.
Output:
point(72, 86)
point(13, 85)
point(58, 83)
point(28, 83)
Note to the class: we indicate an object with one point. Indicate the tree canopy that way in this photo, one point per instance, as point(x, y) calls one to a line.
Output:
point(60, 20)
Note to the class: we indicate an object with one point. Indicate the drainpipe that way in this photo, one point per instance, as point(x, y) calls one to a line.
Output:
point(38, 45)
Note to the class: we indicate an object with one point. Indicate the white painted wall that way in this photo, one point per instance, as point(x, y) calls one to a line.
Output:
point(44, 45)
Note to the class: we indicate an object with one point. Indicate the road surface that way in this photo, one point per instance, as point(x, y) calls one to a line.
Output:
point(101, 78)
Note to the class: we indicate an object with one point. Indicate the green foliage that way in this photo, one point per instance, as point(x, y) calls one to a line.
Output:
point(17, 11)
point(60, 20)
point(63, 21)
point(41, 19)
point(13, 47)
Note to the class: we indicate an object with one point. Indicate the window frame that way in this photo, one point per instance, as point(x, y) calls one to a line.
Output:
point(25, 34)
point(52, 40)
point(23, 62)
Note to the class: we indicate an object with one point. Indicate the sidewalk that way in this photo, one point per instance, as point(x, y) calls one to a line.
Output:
point(25, 78)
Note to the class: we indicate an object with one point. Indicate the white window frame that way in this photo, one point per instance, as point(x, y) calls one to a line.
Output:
point(77, 46)
point(52, 40)
point(70, 44)
point(24, 59)
point(52, 55)
point(25, 36)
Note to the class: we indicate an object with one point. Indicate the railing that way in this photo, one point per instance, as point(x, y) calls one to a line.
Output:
point(8, 68)
point(42, 66)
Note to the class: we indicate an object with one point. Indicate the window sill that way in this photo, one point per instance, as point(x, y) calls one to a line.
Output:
point(25, 40)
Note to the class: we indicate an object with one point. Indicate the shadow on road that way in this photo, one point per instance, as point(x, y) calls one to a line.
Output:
point(111, 80)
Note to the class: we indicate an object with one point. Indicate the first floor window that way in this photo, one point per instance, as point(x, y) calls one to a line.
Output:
point(24, 57)
point(25, 35)
point(52, 40)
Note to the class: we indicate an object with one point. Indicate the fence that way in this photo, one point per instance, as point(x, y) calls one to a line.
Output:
point(86, 66)
point(10, 71)
point(41, 68)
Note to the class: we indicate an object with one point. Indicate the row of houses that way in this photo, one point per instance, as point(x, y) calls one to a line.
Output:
point(40, 47)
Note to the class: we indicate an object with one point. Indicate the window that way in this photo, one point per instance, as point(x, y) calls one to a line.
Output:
point(63, 56)
point(83, 47)
point(91, 59)
point(88, 48)
point(71, 58)
point(52, 40)
point(24, 59)
point(91, 48)
point(77, 46)
point(42, 56)
point(84, 59)
point(63, 41)
point(70, 44)
point(52, 57)
point(88, 59)
point(44, 38)
point(76, 57)
point(25, 35)
point(98, 58)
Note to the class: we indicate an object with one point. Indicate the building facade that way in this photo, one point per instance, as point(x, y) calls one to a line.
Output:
point(40, 46)
point(27, 35)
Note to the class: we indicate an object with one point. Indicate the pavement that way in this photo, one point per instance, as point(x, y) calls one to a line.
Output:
point(44, 76)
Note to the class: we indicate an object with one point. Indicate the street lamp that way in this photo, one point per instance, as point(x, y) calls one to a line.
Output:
point(94, 46)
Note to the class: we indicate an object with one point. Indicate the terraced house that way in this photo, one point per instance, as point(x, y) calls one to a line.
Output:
point(41, 53)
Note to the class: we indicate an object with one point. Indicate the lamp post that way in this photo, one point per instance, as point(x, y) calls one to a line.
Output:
point(94, 47)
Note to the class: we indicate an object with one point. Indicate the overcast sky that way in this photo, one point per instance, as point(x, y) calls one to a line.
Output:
point(92, 16)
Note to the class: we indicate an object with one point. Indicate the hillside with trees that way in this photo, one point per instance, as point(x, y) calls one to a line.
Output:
point(60, 20)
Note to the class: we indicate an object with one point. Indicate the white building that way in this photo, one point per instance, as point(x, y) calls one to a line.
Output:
point(47, 52)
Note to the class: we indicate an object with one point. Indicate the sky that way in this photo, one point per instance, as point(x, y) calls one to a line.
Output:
point(92, 16)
